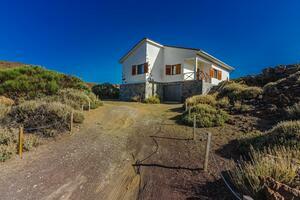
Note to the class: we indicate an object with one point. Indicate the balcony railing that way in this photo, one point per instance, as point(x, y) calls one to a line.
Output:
point(199, 75)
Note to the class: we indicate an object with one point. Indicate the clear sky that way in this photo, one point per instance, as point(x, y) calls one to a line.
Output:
point(87, 38)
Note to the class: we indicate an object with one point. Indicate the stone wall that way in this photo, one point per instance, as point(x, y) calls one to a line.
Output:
point(128, 91)
point(145, 90)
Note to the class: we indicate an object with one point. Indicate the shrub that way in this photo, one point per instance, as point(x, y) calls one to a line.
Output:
point(3, 111)
point(293, 112)
point(32, 81)
point(74, 98)
point(285, 134)
point(251, 92)
point(281, 164)
point(30, 141)
point(6, 101)
point(223, 102)
point(239, 92)
point(240, 107)
point(201, 99)
point(6, 151)
point(152, 100)
point(34, 114)
point(206, 116)
point(106, 91)
point(136, 98)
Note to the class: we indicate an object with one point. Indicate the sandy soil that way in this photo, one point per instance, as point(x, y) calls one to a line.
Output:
point(122, 151)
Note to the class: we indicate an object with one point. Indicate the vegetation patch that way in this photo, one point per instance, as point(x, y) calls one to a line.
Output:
point(201, 99)
point(106, 91)
point(33, 81)
point(206, 116)
point(54, 116)
point(282, 164)
point(286, 134)
point(152, 100)
point(293, 112)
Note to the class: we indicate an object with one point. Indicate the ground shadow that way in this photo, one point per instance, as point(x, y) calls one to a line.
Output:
point(170, 138)
point(166, 166)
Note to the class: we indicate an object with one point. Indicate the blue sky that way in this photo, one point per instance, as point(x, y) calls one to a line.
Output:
point(87, 38)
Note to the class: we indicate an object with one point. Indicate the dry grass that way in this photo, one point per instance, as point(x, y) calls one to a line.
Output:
point(281, 164)
point(6, 101)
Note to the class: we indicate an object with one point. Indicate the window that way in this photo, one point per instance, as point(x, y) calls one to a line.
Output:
point(217, 74)
point(140, 69)
point(173, 69)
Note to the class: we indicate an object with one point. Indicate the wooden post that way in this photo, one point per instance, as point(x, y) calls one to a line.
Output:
point(82, 107)
point(186, 108)
point(89, 105)
point(194, 127)
point(71, 121)
point(207, 151)
point(189, 112)
point(21, 135)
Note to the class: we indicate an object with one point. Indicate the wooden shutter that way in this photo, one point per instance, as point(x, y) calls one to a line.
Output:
point(219, 75)
point(211, 73)
point(168, 69)
point(178, 69)
point(133, 72)
point(146, 68)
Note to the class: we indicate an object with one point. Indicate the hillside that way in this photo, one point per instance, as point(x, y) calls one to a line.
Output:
point(9, 64)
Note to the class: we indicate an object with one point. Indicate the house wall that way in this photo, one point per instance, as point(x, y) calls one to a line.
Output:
point(225, 75)
point(137, 57)
point(176, 56)
point(155, 60)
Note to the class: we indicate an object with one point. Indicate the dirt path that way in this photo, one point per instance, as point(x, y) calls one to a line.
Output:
point(96, 161)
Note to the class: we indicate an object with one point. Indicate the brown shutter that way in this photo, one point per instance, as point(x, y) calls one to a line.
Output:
point(168, 69)
point(219, 75)
point(178, 69)
point(211, 72)
point(133, 72)
point(146, 68)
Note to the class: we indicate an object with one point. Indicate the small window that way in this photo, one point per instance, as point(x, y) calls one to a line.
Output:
point(140, 69)
point(216, 73)
point(173, 69)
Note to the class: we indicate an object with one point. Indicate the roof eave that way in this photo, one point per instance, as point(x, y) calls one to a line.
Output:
point(215, 60)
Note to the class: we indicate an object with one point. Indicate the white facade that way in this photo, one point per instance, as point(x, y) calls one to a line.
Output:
point(195, 64)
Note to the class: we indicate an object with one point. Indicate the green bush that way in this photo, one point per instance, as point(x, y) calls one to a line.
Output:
point(286, 134)
point(8, 144)
point(34, 114)
point(251, 92)
point(293, 112)
point(206, 116)
point(281, 164)
point(201, 99)
point(152, 100)
point(32, 81)
point(106, 91)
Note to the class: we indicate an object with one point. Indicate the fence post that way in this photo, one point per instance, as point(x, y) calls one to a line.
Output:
point(189, 112)
point(71, 121)
point(194, 127)
point(82, 107)
point(207, 151)
point(89, 105)
point(21, 135)
point(186, 108)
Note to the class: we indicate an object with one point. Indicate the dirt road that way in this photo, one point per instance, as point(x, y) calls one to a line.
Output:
point(96, 161)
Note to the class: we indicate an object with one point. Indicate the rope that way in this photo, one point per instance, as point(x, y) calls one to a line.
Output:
point(224, 180)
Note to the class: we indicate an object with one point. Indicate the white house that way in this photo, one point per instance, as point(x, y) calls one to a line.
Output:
point(174, 73)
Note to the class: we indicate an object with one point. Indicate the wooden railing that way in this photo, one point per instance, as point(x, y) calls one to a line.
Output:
point(200, 75)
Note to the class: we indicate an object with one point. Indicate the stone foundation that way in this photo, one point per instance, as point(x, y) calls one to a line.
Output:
point(145, 90)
